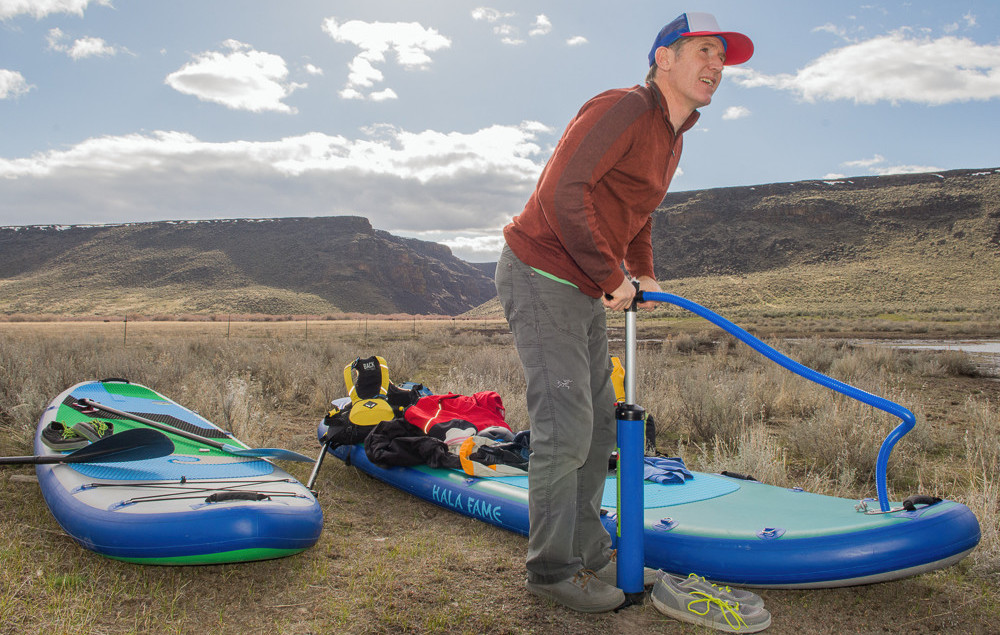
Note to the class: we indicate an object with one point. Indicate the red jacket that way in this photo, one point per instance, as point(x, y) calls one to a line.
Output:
point(482, 410)
point(592, 207)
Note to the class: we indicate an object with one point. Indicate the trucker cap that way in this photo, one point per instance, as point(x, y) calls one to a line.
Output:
point(739, 48)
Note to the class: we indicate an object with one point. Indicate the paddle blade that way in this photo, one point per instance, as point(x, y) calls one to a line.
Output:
point(129, 445)
point(267, 453)
point(137, 444)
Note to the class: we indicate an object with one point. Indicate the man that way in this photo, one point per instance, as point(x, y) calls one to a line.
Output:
point(562, 269)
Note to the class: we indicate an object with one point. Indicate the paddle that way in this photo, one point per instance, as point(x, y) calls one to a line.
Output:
point(129, 445)
point(271, 453)
point(315, 471)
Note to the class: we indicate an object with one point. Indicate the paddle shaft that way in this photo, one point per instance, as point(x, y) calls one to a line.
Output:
point(266, 453)
point(156, 424)
point(37, 459)
point(319, 463)
point(130, 445)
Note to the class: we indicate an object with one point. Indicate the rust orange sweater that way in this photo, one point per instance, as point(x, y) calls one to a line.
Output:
point(591, 210)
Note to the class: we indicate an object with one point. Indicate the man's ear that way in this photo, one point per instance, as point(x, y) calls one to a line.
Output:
point(664, 57)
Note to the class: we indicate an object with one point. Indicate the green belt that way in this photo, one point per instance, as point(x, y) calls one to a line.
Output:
point(552, 277)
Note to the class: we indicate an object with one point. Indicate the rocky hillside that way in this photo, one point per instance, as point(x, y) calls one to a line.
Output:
point(280, 266)
point(900, 244)
point(742, 230)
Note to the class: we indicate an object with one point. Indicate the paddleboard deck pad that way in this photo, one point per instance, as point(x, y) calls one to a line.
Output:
point(199, 505)
point(730, 530)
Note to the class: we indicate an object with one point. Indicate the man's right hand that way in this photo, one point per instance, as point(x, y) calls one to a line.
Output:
point(622, 297)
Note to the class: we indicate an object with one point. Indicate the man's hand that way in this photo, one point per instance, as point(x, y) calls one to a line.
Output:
point(648, 284)
point(621, 299)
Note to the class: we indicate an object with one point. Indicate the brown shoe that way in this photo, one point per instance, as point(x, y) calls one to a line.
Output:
point(583, 592)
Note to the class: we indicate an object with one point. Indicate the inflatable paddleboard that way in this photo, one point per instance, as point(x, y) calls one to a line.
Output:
point(199, 505)
point(728, 529)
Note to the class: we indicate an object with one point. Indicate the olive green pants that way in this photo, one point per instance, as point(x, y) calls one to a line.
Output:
point(561, 338)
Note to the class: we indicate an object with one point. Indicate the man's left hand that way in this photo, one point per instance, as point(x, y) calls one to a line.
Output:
point(648, 284)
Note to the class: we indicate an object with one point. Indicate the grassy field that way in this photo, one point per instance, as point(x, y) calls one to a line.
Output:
point(389, 564)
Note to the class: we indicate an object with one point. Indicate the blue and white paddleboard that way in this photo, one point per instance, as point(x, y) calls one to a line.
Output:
point(728, 529)
point(199, 505)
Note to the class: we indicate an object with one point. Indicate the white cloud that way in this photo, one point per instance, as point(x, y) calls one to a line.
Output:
point(239, 78)
point(80, 48)
point(397, 178)
point(893, 68)
point(969, 22)
point(411, 42)
point(363, 73)
point(833, 29)
point(12, 84)
point(313, 69)
point(477, 246)
point(490, 15)
point(577, 40)
point(736, 112)
point(874, 166)
point(38, 9)
point(542, 26)
point(905, 169)
point(90, 47)
point(350, 93)
point(865, 163)
point(508, 32)
point(383, 95)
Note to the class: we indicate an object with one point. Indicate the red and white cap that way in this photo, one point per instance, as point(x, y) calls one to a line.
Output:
point(739, 48)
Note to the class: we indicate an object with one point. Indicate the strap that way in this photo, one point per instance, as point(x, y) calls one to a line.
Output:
point(910, 504)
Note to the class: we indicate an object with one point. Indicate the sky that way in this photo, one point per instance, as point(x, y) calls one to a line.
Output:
point(434, 119)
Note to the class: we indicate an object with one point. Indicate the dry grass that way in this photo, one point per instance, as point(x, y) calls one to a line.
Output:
point(387, 564)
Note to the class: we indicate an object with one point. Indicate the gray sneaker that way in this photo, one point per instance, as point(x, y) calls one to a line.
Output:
point(609, 572)
point(699, 607)
point(724, 592)
point(583, 592)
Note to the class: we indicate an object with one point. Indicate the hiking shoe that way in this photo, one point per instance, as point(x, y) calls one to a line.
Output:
point(699, 607)
point(583, 592)
point(61, 437)
point(609, 572)
point(723, 592)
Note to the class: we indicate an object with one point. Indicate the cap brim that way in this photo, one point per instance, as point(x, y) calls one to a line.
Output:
point(739, 48)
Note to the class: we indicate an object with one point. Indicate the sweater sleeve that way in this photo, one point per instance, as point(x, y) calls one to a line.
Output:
point(639, 257)
point(592, 145)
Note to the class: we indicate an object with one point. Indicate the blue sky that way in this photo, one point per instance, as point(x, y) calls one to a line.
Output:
point(433, 119)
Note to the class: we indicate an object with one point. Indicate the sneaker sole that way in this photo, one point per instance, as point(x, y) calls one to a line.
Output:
point(694, 618)
point(581, 609)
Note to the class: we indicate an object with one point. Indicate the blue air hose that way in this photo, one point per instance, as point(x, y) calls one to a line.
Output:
point(906, 417)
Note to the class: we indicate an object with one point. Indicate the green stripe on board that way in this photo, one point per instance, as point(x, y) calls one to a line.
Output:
point(225, 557)
point(131, 390)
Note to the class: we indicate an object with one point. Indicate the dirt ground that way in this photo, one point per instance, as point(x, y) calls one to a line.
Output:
point(389, 563)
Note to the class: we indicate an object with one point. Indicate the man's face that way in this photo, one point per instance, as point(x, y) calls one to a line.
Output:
point(696, 70)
